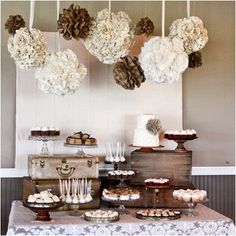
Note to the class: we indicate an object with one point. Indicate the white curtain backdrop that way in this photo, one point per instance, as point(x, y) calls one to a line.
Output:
point(100, 107)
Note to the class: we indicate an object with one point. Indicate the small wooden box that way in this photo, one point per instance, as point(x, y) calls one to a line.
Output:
point(31, 186)
point(176, 166)
point(62, 166)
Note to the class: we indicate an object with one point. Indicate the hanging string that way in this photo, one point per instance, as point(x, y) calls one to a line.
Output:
point(163, 19)
point(32, 4)
point(109, 7)
point(58, 34)
point(145, 9)
point(188, 8)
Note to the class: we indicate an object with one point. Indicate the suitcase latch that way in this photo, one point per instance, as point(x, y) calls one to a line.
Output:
point(65, 170)
point(89, 163)
point(42, 163)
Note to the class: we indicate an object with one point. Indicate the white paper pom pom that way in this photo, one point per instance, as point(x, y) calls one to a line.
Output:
point(110, 36)
point(163, 60)
point(61, 74)
point(191, 32)
point(28, 48)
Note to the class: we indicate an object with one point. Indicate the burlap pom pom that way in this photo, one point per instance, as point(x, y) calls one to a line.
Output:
point(153, 126)
point(195, 60)
point(144, 26)
point(74, 22)
point(14, 23)
point(128, 72)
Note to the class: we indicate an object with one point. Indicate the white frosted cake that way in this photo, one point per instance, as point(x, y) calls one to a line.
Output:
point(142, 137)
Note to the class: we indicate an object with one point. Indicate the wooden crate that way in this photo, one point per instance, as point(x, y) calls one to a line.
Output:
point(34, 186)
point(176, 166)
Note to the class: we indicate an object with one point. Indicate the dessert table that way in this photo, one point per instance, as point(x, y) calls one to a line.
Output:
point(208, 222)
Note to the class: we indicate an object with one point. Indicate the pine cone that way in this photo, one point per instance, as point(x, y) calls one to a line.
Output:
point(144, 26)
point(14, 23)
point(128, 72)
point(195, 60)
point(153, 126)
point(74, 22)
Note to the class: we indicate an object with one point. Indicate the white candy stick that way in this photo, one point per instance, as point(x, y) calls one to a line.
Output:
point(73, 187)
point(110, 149)
point(123, 150)
point(60, 186)
point(117, 149)
point(69, 185)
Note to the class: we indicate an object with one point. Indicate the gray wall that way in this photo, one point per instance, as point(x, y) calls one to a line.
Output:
point(208, 92)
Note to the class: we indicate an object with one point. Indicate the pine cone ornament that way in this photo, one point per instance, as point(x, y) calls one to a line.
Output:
point(144, 26)
point(74, 22)
point(195, 60)
point(153, 126)
point(14, 23)
point(128, 73)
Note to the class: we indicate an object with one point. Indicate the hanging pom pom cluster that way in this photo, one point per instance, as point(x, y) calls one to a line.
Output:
point(74, 22)
point(191, 32)
point(61, 74)
point(110, 37)
point(128, 73)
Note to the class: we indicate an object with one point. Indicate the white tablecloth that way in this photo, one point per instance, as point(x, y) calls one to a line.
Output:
point(208, 222)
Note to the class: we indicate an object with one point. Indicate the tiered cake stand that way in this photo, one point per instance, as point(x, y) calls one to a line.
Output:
point(121, 203)
point(44, 140)
point(80, 152)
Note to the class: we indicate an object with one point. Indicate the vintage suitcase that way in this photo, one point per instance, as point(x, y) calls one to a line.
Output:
point(177, 166)
point(62, 166)
point(34, 186)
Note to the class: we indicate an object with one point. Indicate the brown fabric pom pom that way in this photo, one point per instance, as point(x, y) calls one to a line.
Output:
point(128, 72)
point(195, 60)
point(14, 23)
point(144, 26)
point(74, 22)
point(153, 126)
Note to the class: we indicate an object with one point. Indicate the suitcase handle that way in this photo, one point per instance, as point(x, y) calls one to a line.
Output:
point(65, 172)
